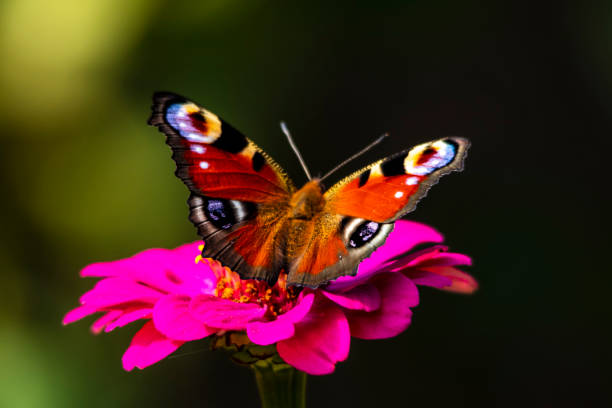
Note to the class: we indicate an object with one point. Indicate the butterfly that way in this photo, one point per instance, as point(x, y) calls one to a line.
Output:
point(255, 221)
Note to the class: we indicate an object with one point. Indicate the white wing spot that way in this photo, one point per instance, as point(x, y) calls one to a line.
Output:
point(204, 165)
point(194, 137)
point(411, 181)
point(198, 149)
point(399, 194)
point(182, 125)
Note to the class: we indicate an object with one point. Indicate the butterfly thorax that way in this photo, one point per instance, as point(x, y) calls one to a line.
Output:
point(305, 207)
point(307, 202)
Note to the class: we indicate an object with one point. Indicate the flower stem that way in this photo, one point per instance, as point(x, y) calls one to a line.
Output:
point(280, 385)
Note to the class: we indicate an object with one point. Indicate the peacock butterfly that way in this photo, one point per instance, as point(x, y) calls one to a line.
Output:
point(255, 221)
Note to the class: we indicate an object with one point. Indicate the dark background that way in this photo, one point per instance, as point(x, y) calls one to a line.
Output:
point(84, 179)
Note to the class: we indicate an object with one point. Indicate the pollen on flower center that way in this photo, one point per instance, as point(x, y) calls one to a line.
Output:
point(277, 299)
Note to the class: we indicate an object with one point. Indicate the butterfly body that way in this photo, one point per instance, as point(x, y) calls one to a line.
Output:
point(307, 202)
point(254, 220)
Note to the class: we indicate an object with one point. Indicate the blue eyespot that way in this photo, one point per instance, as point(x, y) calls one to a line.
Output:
point(220, 213)
point(363, 234)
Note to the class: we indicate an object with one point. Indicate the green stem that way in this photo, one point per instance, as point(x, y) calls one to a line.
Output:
point(280, 385)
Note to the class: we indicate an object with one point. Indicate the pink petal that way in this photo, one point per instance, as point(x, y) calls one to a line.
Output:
point(115, 291)
point(172, 318)
point(78, 313)
point(461, 282)
point(166, 270)
point(424, 278)
point(99, 324)
point(363, 297)
point(414, 258)
point(321, 340)
point(192, 278)
point(405, 236)
point(398, 295)
point(129, 317)
point(223, 313)
point(447, 259)
point(148, 346)
point(265, 333)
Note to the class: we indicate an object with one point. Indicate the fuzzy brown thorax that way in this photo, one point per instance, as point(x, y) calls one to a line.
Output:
point(307, 201)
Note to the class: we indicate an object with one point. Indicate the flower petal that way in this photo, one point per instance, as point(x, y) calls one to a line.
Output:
point(148, 346)
point(223, 313)
point(115, 291)
point(460, 282)
point(363, 297)
point(405, 236)
point(107, 318)
point(424, 278)
point(78, 313)
point(321, 339)
point(129, 317)
point(167, 270)
point(398, 295)
point(414, 258)
point(173, 319)
point(447, 259)
point(265, 333)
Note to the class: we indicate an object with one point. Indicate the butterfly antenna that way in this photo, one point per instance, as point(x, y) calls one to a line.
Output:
point(356, 155)
point(295, 149)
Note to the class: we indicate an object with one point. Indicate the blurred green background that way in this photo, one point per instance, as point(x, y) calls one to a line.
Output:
point(85, 179)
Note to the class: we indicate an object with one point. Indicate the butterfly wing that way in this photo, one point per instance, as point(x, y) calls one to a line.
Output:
point(238, 193)
point(390, 188)
point(360, 209)
point(214, 159)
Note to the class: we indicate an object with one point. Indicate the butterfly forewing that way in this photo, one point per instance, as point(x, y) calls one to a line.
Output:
point(390, 188)
point(213, 158)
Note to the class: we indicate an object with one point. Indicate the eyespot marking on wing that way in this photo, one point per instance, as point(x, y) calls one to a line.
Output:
point(194, 124)
point(197, 125)
point(427, 158)
point(224, 214)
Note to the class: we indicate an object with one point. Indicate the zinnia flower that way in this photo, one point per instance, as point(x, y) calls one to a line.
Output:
point(182, 300)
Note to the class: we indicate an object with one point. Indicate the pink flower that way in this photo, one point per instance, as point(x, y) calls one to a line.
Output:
point(182, 300)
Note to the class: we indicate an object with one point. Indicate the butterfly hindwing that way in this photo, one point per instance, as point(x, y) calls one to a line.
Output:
point(338, 245)
point(241, 235)
point(360, 209)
